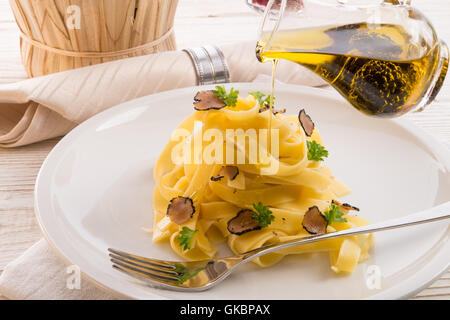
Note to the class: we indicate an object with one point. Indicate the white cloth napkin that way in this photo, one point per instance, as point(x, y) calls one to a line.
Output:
point(40, 274)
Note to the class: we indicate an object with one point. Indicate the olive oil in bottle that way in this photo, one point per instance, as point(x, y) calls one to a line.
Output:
point(378, 68)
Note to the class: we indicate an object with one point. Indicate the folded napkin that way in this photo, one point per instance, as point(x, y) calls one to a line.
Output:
point(50, 106)
point(40, 274)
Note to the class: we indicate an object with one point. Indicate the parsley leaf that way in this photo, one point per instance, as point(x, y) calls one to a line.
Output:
point(316, 152)
point(333, 214)
point(263, 215)
point(260, 97)
point(229, 99)
point(179, 268)
point(186, 237)
point(184, 275)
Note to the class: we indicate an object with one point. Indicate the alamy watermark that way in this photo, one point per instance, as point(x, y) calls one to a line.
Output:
point(239, 146)
point(73, 281)
point(236, 146)
point(73, 20)
point(373, 277)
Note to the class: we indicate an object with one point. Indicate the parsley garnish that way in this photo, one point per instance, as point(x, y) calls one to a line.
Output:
point(316, 152)
point(333, 214)
point(260, 97)
point(179, 268)
point(263, 215)
point(184, 274)
point(229, 99)
point(186, 237)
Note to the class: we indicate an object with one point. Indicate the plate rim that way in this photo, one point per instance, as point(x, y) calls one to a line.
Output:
point(402, 290)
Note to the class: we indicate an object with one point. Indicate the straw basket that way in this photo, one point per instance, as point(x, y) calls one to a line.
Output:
point(58, 35)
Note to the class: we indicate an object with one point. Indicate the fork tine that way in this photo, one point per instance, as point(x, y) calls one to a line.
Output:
point(143, 272)
point(143, 260)
point(144, 266)
point(143, 277)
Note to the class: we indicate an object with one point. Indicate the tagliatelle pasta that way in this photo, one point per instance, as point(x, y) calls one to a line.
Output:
point(283, 179)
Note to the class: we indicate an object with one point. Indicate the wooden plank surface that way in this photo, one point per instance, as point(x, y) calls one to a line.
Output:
point(198, 22)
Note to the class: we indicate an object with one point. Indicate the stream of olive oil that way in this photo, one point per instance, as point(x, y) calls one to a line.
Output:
point(379, 69)
point(271, 102)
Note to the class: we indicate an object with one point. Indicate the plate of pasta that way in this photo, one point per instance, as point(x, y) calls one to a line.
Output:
point(204, 172)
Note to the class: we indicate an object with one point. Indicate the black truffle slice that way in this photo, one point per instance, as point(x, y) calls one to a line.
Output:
point(243, 222)
point(180, 209)
point(314, 221)
point(217, 177)
point(306, 122)
point(206, 100)
point(345, 206)
point(262, 109)
point(279, 111)
point(230, 172)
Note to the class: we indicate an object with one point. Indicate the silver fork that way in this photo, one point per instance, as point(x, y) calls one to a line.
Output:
point(203, 275)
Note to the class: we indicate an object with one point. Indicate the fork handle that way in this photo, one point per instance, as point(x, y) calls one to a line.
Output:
point(436, 213)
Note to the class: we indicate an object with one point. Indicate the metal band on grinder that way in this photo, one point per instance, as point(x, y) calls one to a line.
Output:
point(210, 65)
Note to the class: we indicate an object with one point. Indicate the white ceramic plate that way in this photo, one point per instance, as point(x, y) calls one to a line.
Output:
point(94, 191)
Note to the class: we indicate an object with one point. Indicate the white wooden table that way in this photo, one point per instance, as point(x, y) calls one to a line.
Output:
point(197, 22)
